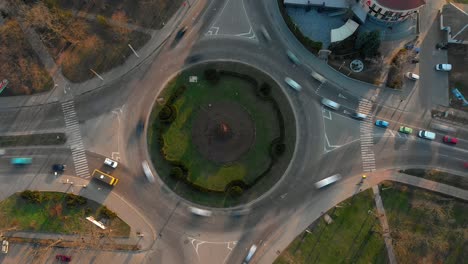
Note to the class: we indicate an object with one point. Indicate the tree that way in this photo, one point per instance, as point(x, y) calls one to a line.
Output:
point(368, 43)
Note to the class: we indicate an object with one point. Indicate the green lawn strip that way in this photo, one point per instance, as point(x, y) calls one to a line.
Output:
point(439, 176)
point(353, 237)
point(178, 145)
point(53, 215)
point(33, 139)
point(425, 225)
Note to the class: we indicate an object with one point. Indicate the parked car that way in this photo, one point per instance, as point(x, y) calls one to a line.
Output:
point(58, 168)
point(63, 258)
point(293, 84)
point(358, 116)
point(293, 57)
point(450, 140)
point(412, 76)
point(405, 130)
point(111, 163)
point(5, 245)
point(381, 123)
point(443, 67)
point(427, 134)
point(330, 104)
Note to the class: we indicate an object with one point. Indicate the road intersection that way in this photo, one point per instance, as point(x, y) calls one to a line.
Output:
point(104, 117)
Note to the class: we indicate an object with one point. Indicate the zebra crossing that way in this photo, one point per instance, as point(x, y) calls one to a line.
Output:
point(367, 137)
point(74, 138)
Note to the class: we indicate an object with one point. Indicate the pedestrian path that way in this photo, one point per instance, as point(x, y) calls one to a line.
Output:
point(367, 137)
point(384, 224)
point(75, 141)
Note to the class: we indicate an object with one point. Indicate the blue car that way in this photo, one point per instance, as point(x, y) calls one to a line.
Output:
point(381, 123)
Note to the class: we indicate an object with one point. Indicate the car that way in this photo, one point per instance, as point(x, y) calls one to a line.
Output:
point(327, 181)
point(381, 123)
point(450, 140)
point(146, 169)
point(181, 32)
point(2, 152)
point(200, 212)
point(443, 67)
point(358, 116)
point(63, 258)
point(140, 127)
point(111, 163)
point(5, 245)
point(58, 168)
point(330, 104)
point(405, 130)
point(465, 164)
point(265, 33)
point(427, 134)
point(412, 76)
point(293, 84)
point(293, 57)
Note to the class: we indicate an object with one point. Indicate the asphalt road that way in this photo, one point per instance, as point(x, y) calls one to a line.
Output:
point(327, 141)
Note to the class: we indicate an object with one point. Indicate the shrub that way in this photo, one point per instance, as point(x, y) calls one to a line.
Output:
point(32, 196)
point(88, 211)
point(277, 148)
point(167, 114)
point(211, 75)
point(178, 172)
point(264, 90)
point(235, 190)
point(104, 212)
point(75, 200)
point(368, 43)
point(102, 20)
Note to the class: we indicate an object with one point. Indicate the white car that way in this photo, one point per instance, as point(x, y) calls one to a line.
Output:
point(293, 84)
point(147, 171)
point(201, 212)
point(5, 245)
point(443, 67)
point(427, 134)
point(265, 33)
point(329, 103)
point(412, 76)
point(111, 163)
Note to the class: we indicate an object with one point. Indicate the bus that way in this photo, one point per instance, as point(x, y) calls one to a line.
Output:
point(327, 181)
point(104, 177)
point(21, 161)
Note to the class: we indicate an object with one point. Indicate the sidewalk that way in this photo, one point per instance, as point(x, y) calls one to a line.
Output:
point(114, 202)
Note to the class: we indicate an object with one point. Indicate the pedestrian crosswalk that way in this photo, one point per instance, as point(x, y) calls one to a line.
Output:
point(74, 138)
point(367, 137)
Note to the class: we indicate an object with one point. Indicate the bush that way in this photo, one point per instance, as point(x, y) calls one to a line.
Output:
point(264, 90)
point(102, 20)
point(104, 212)
point(368, 43)
point(235, 190)
point(167, 114)
point(178, 172)
point(211, 75)
point(75, 200)
point(277, 148)
point(32, 196)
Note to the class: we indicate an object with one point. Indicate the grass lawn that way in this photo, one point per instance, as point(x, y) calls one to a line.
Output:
point(353, 237)
point(34, 139)
point(426, 227)
point(19, 64)
point(439, 176)
point(53, 215)
point(178, 141)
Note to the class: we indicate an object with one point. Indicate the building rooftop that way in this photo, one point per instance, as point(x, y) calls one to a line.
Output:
point(401, 4)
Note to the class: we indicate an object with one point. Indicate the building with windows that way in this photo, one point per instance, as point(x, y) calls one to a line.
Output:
point(391, 11)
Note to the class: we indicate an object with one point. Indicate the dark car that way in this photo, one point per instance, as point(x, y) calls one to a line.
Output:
point(181, 32)
point(140, 127)
point(58, 167)
point(63, 258)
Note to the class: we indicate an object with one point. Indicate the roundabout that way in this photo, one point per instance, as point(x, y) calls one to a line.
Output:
point(220, 141)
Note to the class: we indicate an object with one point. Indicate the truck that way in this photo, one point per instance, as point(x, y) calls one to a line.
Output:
point(104, 177)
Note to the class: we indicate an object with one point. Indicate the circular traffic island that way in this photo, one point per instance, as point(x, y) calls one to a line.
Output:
point(221, 134)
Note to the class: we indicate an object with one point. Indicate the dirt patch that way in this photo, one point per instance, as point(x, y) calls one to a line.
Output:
point(371, 74)
point(458, 57)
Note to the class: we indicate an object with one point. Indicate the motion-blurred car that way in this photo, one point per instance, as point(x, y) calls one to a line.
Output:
point(450, 140)
point(181, 33)
point(381, 123)
point(293, 84)
point(265, 33)
point(358, 116)
point(58, 168)
point(405, 130)
point(200, 212)
point(330, 104)
point(293, 57)
point(63, 258)
point(443, 67)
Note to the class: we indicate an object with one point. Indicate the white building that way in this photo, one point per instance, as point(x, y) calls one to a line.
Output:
point(388, 11)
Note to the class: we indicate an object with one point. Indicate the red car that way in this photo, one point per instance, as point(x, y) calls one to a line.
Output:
point(450, 140)
point(63, 258)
